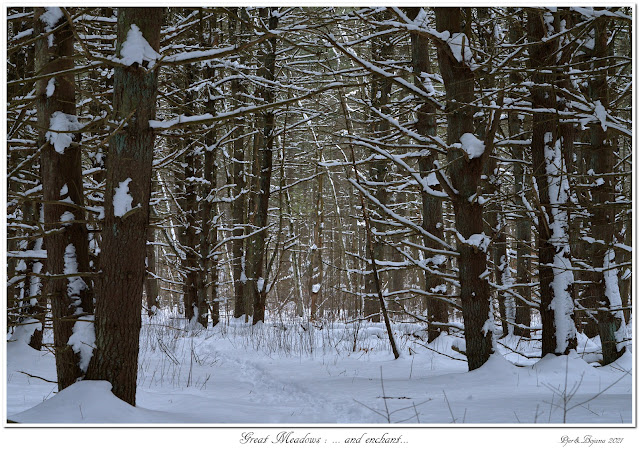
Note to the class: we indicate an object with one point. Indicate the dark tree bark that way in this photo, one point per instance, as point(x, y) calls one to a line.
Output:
point(577, 163)
point(381, 50)
point(316, 268)
point(25, 304)
point(494, 215)
point(256, 284)
point(432, 218)
point(625, 282)
point(119, 303)
point(238, 212)
point(190, 266)
point(208, 279)
point(61, 171)
point(603, 203)
point(545, 136)
point(191, 272)
point(294, 258)
point(523, 233)
point(495, 227)
point(31, 306)
point(465, 175)
point(151, 287)
point(21, 62)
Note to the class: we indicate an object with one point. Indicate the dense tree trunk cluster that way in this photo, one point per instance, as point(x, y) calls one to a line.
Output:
point(468, 169)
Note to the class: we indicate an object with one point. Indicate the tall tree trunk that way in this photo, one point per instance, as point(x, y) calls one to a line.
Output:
point(523, 232)
point(61, 170)
point(238, 211)
point(495, 227)
point(24, 298)
point(129, 165)
point(625, 282)
point(316, 270)
point(555, 270)
point(381, 50)
point(493, 214)
point(31, 307)
point(191, 269)
point(465, 175)
point(432, 218)
point(605, 283)
point(294, 258)
point(264, 162)
point(208, 279)
point(151, 283)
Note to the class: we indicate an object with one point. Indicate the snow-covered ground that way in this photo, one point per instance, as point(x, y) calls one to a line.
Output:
point(337, 374)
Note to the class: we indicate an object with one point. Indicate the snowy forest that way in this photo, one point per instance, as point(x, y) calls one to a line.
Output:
point(319, 215)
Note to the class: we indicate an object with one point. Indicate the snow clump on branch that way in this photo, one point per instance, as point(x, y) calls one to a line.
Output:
point(473, 147)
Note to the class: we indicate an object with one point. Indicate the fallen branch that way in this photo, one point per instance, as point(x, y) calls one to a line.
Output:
point(39, 378)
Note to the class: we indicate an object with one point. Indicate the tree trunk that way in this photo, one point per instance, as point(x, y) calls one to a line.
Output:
point(118, 309)
point(238, 211)
point(316, 270)
point(208, 279)
point(294, 258)
point(465, 175)
point(381, 50)
point(523, 232)
point(24, 298)
point(555, 270)
point(151, 283)
point(494, 215)
point(61, 171)
point(191, 269)
point(264, 162)
point(605, 284)
point(625, 282)
point(432, 218)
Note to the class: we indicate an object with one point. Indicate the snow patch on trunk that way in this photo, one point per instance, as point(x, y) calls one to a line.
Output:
point(563, 278)
point(50, 18)
point(460, 46)
point(60, 127)
point(473, 147)
point(479, 240)
point(613, 294)
point(67, 218)
point(601, 114)
point(137, 49)
point(35, 284)
point(51, 87)
point(122, 200)
point(83, 340)
point(507, 280)
point(75, 284)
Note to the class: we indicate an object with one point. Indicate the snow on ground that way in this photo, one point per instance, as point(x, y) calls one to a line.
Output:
point(296, 373)
point(89, 402)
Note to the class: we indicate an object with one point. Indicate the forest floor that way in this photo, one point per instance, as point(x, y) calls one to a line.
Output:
point(339, 373)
